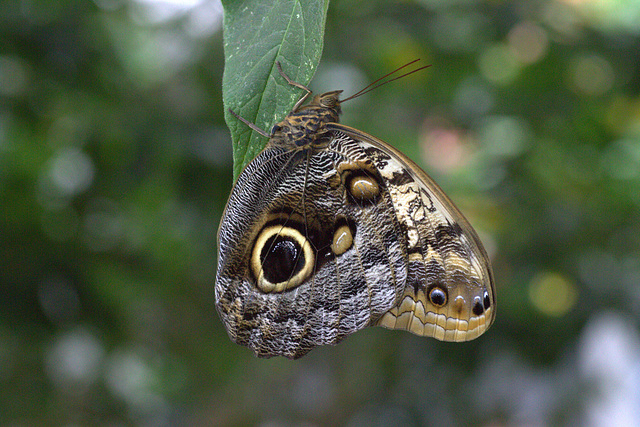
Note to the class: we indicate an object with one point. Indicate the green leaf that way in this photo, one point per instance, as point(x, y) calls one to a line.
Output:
point(256, 35)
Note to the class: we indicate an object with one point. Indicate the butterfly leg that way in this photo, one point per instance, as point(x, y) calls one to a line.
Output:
point(296, 84)
point(248, 123)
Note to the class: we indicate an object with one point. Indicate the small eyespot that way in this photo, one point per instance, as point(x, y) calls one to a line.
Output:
point(437, 296)
point(364, 188)
point(459, 304)
point(487, 300)
point(342, 239)
point(478, 308)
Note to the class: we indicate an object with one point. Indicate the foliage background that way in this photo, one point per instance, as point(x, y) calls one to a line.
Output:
point(115, 165)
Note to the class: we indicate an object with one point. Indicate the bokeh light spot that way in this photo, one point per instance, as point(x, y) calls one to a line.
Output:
point(498, 65)
point(528, 42)
point(75, 359)
point(591, 75)
point(71, 172)
point(552, 293)
point(443, 147)
point(621, 160)
point(504, 136)
point(135, 377)
point(473, 99)
point(154, 12)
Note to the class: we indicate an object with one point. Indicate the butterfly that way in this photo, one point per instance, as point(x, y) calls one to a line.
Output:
point(330, 230)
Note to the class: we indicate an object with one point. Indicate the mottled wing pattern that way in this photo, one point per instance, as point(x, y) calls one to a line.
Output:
point(449, 294)
point(331, 198)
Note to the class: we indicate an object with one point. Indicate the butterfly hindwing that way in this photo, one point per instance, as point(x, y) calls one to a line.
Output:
point(356, 243)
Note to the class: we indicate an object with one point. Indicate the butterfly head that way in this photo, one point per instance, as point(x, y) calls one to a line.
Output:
point(328, 100)
point(325, 106)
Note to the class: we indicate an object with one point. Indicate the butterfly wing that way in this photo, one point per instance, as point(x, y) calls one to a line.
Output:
point(319, 242)
point(310, 249)
point(449, 294)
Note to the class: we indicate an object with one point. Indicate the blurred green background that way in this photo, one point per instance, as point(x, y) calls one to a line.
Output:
point(115, 165)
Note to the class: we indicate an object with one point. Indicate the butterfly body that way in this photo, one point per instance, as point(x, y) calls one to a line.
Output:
point(330, 230)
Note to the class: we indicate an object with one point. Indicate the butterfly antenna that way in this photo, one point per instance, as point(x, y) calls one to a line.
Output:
point(381, 81)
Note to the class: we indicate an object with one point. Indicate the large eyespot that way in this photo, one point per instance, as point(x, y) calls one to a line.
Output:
point(282, 258)
point(438, 296)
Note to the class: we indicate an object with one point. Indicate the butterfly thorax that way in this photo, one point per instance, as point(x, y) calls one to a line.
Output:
point(305, 126)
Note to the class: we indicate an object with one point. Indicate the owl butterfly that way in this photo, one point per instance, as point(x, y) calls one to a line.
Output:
point(330, 230)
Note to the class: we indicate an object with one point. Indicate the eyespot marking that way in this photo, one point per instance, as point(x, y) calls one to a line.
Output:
point(438, 296)
point(282, 258)
point(342, 239)
point(459, 304)
point(363, 188)
point(487, 300)
point(478, 308)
